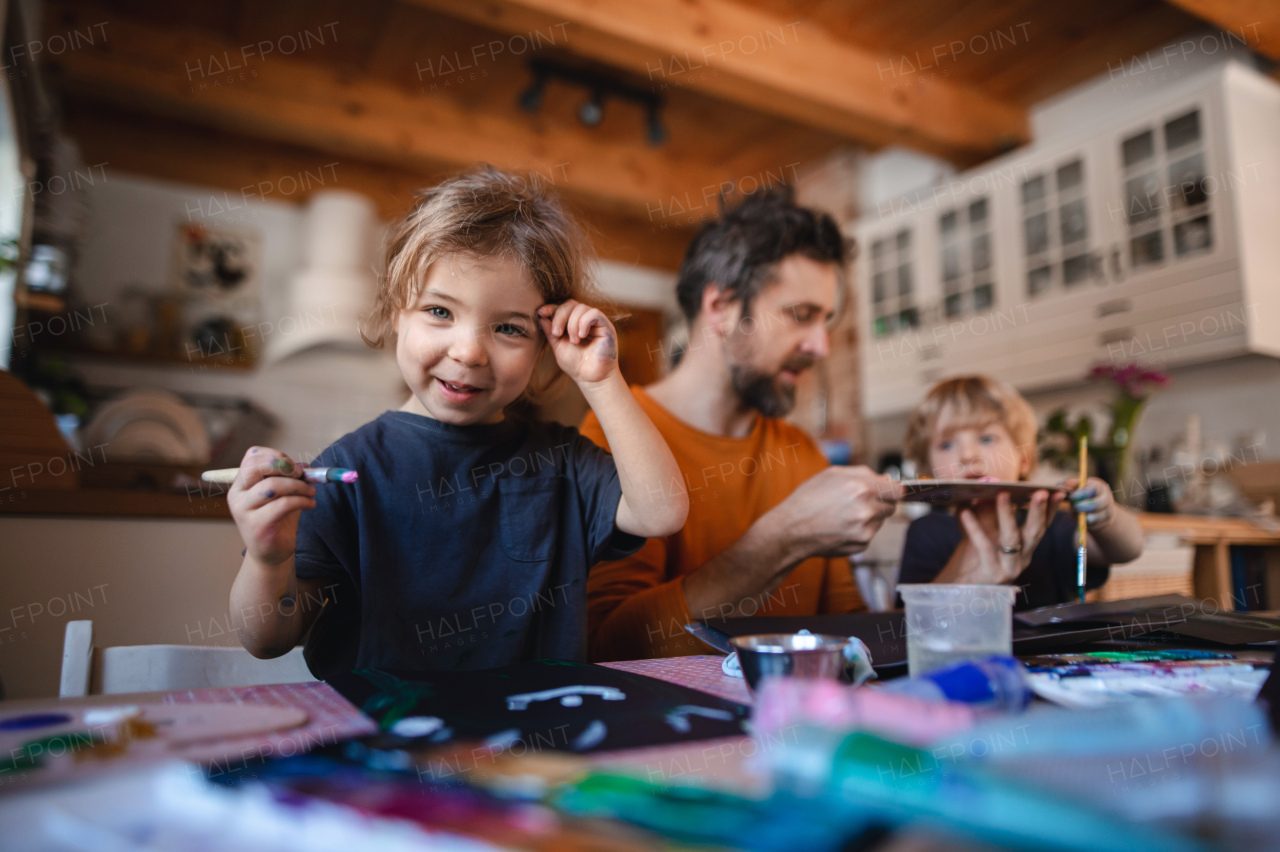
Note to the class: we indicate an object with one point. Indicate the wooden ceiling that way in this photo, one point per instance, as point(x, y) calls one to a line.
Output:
point(190, 91)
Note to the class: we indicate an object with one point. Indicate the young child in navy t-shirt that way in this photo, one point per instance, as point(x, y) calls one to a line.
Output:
point(466, 541)
point(974, 427)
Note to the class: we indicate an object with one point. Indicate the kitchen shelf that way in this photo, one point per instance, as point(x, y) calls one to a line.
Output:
point(246, 361)
point(112, 503)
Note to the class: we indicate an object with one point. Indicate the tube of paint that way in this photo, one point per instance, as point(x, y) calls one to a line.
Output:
point(996, 683)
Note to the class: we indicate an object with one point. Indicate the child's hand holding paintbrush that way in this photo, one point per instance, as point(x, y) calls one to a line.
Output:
point(1111, 533)
point(268, 493)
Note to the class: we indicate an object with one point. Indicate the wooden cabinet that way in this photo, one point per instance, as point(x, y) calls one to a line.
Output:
point(1151, 239)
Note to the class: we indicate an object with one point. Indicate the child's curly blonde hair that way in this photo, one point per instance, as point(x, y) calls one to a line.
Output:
point(488, 213)
point(971, 401)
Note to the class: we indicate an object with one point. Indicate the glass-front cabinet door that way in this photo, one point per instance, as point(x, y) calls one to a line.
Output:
point(895, 305)
point(1056, 234)
point(1167, 198)
point(965, 243)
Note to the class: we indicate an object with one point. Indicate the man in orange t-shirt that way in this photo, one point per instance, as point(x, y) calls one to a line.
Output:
point(770, 525)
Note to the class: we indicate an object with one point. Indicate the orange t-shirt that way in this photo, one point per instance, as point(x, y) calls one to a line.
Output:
point(636, 606)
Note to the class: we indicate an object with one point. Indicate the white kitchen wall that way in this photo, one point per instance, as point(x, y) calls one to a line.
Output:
point(139, 581)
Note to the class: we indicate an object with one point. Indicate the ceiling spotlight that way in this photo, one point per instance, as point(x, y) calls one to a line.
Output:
point(531, 98)
point(591, 113)
point(599, 86)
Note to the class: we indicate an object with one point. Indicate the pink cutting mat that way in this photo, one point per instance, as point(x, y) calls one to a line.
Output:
point(330, 718)
point(697, 672)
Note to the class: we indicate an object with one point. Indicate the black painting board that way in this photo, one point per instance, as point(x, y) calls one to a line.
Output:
point(1087, 611)
point(1270, 695)
point(547, 704)
point(1226, 628)
point(1177, 615)
point(713, 639)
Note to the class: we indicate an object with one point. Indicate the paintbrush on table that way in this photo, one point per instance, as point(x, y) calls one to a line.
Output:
point(1082, 529)
point(314, 475)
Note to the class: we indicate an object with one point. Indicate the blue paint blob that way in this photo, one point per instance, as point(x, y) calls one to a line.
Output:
point(34, 720)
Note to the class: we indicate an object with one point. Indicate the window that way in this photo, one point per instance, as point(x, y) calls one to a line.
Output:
point(1055, 228)
point(1166, 206)
point(893, 304)
point(967, 269)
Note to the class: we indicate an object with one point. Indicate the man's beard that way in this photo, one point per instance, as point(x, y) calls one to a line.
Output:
point(764, 391)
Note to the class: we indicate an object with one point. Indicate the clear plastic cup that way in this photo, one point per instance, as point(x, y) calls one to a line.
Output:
point(947, 623)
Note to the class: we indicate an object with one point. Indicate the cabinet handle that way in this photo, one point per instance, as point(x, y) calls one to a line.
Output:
point(930, 353)
point(1116, 336)
point(1115, 306)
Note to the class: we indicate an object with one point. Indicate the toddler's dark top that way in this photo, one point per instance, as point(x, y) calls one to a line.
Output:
point(1049, 579)
point(460, 547)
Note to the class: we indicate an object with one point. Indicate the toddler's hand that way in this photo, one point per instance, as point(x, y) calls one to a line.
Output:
point(1095, 500)
point(585, 343)
point(266, 501)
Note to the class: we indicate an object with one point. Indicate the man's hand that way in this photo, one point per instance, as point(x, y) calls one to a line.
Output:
point(836, 512)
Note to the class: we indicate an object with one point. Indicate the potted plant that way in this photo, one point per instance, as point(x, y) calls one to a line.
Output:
point(1113, 458)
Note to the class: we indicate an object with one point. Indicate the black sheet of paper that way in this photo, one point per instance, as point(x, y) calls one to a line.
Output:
point(547, 704)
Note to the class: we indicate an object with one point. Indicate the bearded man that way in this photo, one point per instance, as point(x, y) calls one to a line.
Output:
point(771, 525)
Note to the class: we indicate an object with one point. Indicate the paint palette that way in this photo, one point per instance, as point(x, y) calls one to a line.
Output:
point(57, 741)
point(949, 492)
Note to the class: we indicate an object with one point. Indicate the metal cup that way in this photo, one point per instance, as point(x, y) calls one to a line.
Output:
point(803, 655)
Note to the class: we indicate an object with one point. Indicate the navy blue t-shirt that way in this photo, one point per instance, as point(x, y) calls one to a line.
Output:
point(460, 547)
point(1049, 579)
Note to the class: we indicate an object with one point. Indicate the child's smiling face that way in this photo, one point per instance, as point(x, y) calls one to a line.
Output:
point(468, 343)
point(975, 449)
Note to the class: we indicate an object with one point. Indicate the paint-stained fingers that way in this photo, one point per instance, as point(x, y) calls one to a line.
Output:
point(274, 488)
point(262, 462)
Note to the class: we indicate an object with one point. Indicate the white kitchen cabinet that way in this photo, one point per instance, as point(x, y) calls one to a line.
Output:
point(1153, 240)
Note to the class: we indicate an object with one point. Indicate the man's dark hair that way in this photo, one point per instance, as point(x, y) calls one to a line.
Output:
point(741, 250)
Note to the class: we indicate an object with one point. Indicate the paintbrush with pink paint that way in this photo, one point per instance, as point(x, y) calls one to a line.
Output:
point(314, 475)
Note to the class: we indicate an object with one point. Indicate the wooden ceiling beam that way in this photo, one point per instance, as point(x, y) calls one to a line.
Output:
point(336, 110)
point(1255, 22)
point(238, 170)
point(776, 65)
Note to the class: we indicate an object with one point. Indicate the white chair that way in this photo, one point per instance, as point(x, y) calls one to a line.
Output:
point(155, 668)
